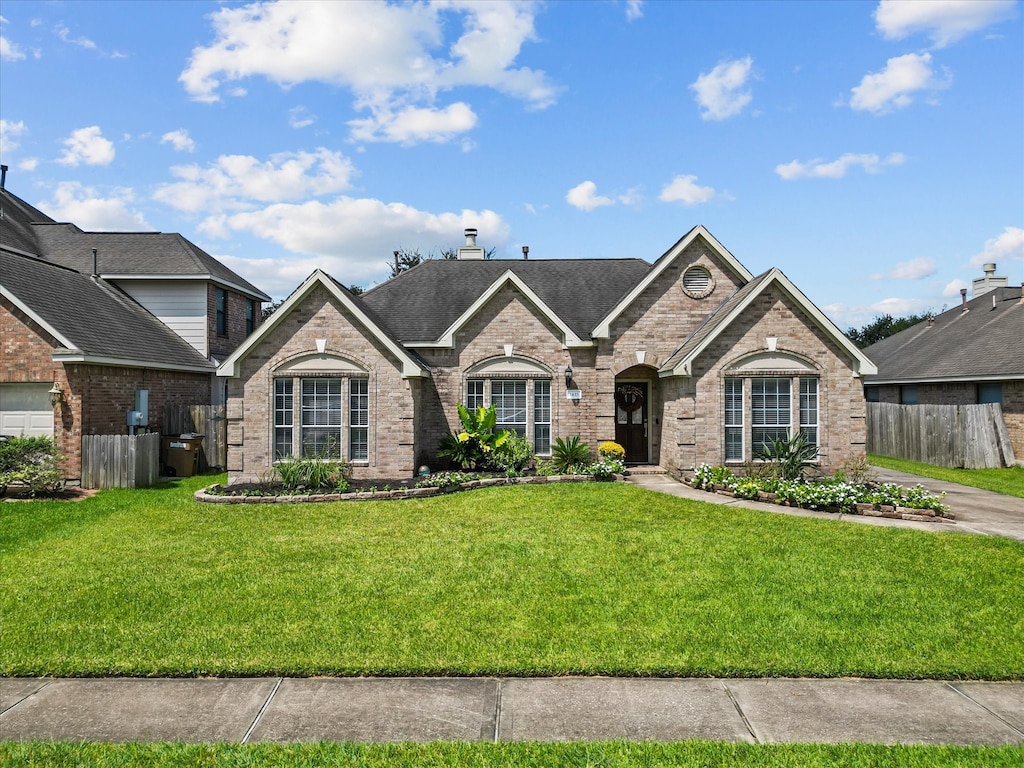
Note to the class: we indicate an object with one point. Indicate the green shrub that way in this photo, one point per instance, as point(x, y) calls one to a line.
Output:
point(312, 473)
point(473, 446)
point(30, 461)
point(791, 458)
point(606, 469)
point(513, 457)
point(570, 457)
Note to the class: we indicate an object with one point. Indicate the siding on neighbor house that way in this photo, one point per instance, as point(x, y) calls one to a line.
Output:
point(180, 305)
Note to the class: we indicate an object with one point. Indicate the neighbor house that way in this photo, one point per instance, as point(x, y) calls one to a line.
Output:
point(691, 359)
point(89, 319)
point(972, 353)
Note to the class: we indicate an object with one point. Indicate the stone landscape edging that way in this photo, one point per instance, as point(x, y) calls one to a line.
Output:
point(396, 493)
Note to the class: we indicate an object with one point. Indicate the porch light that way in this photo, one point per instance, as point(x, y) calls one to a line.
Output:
point(568, 376)
point(56, 395)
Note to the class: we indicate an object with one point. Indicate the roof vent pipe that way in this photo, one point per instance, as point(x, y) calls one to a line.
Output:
point(95, 264)
point(471, 238)
point(471, 251)
point(963, 299)
point(526, 252)
point(3, 177)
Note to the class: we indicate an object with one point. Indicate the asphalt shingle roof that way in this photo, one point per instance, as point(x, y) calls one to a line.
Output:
point(94, 316)
point(986, 342)
point(16, 219)
point(421, 303)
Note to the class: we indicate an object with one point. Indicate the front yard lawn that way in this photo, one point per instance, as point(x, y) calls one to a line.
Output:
point(586, 578)
point(1008, 481)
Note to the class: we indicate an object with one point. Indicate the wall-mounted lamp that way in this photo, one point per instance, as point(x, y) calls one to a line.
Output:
point(56, 395)
point(568, 376)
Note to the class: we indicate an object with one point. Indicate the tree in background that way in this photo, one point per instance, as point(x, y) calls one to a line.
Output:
point(407, 258)
point(882, 327)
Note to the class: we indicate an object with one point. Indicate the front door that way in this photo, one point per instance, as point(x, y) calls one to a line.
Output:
point(631, 420)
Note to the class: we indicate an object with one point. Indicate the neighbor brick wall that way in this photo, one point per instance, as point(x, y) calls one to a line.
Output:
point(96, 398)
point(250, 397)
point(222, 346)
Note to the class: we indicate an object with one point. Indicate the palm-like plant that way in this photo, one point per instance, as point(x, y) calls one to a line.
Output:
point(473, 446)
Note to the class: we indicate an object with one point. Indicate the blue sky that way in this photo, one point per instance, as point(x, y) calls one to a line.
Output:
point(872, 151)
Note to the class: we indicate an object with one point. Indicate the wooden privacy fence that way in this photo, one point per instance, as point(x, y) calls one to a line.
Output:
point(956, 436)
point(120, 461)
point(208, 420)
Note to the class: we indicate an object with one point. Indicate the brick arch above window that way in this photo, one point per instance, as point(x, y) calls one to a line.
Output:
point(316, 362)
point(509, 366)
point(775, 362)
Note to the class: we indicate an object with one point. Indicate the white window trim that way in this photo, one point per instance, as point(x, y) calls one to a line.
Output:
point(345, 444)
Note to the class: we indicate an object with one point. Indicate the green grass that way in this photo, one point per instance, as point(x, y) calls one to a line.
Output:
point(1008, 481)
point(528, 580)
point(576, 754)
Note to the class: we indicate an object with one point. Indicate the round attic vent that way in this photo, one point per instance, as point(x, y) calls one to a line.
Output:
point(697, 282)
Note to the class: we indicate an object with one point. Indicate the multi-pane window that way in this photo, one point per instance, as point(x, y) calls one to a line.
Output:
point(541, 416)
point(222, 312)
point(283, 418)
point(769, 412)
point(908, 395)
point(358, 419)
point(250, 316)
point(990, 392)
point(321, 418)
point(809, 410)
point(509, 400)
point(330, 426)
point(474, 394)
point(734, 419)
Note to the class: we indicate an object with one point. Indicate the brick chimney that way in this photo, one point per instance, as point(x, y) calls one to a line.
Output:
point(471, 251)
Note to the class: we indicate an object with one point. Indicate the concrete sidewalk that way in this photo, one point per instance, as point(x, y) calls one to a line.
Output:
point(518, 709)
point(975, 510)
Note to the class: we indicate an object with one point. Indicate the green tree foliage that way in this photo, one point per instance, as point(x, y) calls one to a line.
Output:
point(407, 258)
point(882, 327)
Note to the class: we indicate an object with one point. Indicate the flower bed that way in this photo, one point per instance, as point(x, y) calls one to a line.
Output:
point(827, 494)
point(367, 490)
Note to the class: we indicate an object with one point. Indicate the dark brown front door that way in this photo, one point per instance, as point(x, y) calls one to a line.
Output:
point(631, 420)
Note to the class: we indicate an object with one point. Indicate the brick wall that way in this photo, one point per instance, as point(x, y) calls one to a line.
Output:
point(392, 440)
point(96, 398)
point(221, 346)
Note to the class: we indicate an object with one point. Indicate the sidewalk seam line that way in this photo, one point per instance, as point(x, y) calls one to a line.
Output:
point(739, 711)
point(26, 698)
point(497, 709)
point(263, 709)
point(996, 715)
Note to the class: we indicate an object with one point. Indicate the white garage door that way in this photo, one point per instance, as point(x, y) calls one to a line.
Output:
point(25, 410)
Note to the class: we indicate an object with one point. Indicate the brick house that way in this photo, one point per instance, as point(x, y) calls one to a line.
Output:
point(691, 359)
point(100, 316)
point(972, 353)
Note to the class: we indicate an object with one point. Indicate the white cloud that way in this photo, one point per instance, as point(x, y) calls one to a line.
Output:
point(394, 58)
point(953, 288)
point(10, 51)
point(634, 9)
point(894, 86)
point(721, 92)
point(9, 134)
point(685, 190)
point(29, 164)
point(87, 145)
point(856, 315)
point(1005, 247)
point(410, 125)
point(915, 269)
point(180, 140)
point(945, 21)
point(836, 169)
point(237, 182)
point(351, 238)
point(300, 117)
point(85, 207)
point(584, 197)
point(65, 35)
